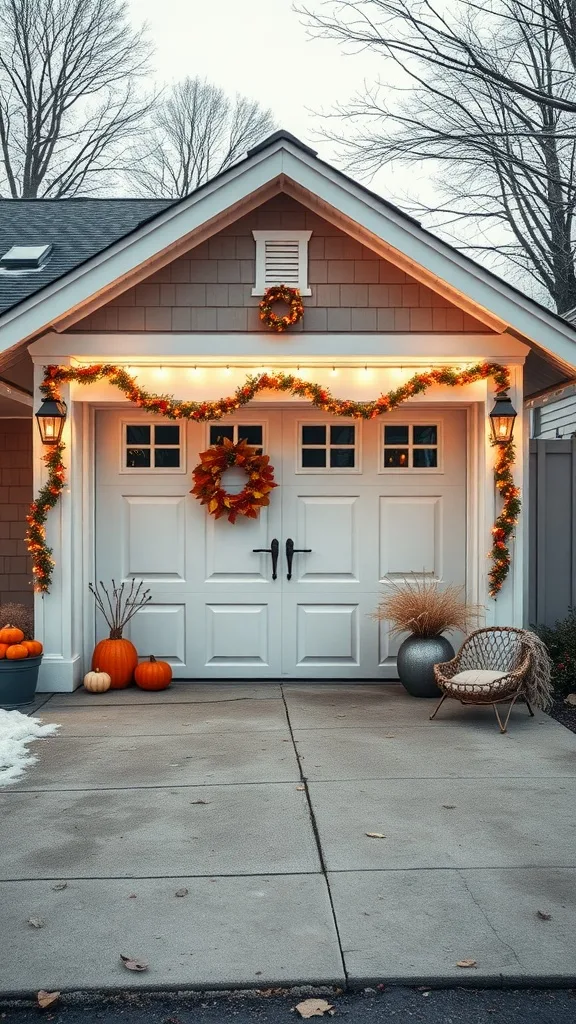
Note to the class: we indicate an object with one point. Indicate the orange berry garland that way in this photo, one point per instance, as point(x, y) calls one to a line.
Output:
point(208, 480)
point(283, 383)
point(281, 293)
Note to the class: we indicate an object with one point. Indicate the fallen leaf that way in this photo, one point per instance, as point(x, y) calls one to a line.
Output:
point(543, 915)
point(570, 699)
point(59, 886)
point(199, 801)
point(132, 964)
point(181, 892)
point(47, 998)
point(375, 835)
point(466, 963)
point(449, 807)
point(314, 1008)
point(300, 788)
point(36, 922)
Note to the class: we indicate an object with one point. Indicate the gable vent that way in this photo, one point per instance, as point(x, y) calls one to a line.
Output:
point(282, 263)
point(281, 258)
point(25, 257)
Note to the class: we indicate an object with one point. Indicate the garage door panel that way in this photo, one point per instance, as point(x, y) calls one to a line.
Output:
point(229, 554)
point(327, 634)
point(154, 537)
point(160, 629)
point(411, 535)
point(328, 525)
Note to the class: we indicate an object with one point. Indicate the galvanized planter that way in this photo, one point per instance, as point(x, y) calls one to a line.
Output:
point(18, 681)
point(416, 659)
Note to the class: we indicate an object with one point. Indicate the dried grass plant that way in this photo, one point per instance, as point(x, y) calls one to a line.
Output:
point(20, 616)
point(425, 607)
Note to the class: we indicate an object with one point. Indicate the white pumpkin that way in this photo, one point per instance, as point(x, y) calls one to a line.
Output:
point(97, 681)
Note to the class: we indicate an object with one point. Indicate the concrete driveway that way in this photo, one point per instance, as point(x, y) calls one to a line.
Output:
point(220, 834)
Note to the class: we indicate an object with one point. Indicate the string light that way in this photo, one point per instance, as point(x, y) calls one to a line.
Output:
point(317, 394)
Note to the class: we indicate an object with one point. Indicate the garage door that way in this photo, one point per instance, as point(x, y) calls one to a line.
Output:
point(356, 502)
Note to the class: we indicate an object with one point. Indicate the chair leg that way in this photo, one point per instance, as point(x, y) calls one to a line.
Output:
point(504, 727)
point(438, 706)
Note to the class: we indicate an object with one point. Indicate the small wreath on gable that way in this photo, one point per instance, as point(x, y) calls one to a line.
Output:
point(281, 293)
point(207, 478)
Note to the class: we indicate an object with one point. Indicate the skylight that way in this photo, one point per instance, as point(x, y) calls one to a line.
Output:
point(25, 257)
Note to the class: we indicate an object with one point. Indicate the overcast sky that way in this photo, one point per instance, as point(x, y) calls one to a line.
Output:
point(261, 49)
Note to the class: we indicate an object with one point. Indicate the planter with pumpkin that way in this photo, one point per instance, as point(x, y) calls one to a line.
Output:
point(19, 664)
point(116, 656)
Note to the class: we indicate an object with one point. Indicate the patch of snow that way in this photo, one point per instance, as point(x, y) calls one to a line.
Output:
point(16, 731)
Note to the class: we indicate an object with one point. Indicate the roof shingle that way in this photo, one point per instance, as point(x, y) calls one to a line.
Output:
point(77, 229)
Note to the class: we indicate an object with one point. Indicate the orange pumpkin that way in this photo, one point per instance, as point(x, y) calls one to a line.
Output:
point(153, 675)
point(118, 658)
point(34, 647)
point(16, 652)
point(3, 649)
point(11, 635)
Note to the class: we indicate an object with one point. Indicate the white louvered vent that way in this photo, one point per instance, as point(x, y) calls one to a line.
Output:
point(281, 258)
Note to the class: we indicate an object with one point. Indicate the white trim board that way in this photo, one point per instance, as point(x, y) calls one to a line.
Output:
point(420, 349)
point(271, 166)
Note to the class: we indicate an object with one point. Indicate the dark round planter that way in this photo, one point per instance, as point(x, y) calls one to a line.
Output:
point(18, 680)
point(416, 659)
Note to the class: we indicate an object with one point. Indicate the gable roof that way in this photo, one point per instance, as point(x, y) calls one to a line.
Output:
point(279, 163)
point(76, 228)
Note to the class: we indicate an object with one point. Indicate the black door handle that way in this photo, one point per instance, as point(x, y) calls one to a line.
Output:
point(290, 550)
point(272, 550)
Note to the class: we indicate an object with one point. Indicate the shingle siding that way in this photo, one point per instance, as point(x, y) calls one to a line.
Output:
point(15, 497)
point(210, 288)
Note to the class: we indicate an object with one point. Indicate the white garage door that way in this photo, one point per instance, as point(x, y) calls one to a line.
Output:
point(357, 502)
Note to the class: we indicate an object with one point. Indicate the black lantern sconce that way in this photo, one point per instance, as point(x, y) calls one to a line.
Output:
point(51, 417)
point(502, 419)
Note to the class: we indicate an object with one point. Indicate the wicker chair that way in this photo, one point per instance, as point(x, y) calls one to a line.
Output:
point(491, 667)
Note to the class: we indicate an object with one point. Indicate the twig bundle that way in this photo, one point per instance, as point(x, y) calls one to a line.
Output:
point(121, 605)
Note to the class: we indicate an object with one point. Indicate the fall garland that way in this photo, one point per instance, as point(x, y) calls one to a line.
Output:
point(320, 397)
point(208, 480)
point(281, 293)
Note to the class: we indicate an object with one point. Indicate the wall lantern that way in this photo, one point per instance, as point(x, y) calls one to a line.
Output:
point(51, 417)
point(502, 419)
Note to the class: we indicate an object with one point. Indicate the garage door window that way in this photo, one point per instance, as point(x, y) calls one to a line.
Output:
point(152, 446)
point(411, 446)
point(252, 433)
point(328, 447)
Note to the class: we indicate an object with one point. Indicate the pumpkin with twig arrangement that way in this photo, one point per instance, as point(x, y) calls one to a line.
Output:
point(117, 656)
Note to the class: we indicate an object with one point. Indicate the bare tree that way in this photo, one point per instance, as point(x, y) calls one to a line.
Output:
point(68, 103)
point(439, 35)
point(500, 159)
point(196, 132)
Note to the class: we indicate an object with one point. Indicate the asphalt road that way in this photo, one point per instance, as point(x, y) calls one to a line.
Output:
point(401, 1005)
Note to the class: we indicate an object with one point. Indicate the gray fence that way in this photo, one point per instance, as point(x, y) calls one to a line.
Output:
point(552, 518)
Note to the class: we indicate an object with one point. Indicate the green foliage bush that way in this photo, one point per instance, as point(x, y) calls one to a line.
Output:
point(560, 639)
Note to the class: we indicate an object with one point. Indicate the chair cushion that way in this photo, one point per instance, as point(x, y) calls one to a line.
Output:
point(480, 681)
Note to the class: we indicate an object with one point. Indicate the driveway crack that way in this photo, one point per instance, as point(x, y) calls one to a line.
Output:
point(488, 921)
point(317, 839)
